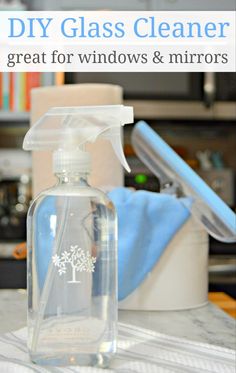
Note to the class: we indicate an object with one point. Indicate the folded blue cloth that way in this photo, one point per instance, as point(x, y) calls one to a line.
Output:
point(147, 222)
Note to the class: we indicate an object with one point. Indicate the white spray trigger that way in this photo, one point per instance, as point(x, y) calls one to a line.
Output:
point(114, 135)
point(66, 131)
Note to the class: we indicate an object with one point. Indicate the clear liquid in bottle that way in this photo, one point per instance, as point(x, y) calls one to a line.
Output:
point(72, 275)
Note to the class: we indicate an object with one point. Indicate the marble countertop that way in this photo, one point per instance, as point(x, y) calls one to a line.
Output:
point(205, 324)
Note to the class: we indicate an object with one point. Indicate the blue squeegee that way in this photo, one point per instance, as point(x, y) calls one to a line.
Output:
point(218, 219)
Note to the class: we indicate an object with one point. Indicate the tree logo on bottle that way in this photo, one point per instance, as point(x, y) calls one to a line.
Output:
point(77, 258)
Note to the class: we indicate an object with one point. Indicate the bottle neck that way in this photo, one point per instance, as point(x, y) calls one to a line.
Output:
point(72, 179)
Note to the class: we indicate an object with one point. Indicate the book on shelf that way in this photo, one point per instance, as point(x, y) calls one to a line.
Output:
point(15, 88)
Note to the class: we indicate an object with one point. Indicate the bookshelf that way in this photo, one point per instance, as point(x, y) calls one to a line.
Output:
point(15, 94)
point(9, 116)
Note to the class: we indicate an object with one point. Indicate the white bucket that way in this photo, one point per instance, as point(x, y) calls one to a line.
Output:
point(180, 278)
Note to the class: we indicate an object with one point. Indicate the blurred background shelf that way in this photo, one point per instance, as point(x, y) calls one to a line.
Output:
point(8, 116)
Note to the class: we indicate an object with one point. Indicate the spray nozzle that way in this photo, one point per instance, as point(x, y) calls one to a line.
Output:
point(66, 130)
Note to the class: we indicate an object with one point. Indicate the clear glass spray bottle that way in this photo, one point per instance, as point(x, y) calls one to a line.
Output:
point(72, 243)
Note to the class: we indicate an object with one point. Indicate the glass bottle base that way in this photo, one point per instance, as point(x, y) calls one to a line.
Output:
point(99, 360)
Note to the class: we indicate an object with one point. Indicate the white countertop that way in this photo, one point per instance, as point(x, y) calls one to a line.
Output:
point(205, 324)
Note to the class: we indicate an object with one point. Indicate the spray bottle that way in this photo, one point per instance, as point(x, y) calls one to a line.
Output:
point(72, 242)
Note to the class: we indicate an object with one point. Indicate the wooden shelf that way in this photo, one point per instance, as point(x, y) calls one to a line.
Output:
point(224, 301)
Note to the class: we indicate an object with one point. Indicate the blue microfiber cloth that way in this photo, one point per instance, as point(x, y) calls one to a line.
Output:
point(147, 222)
